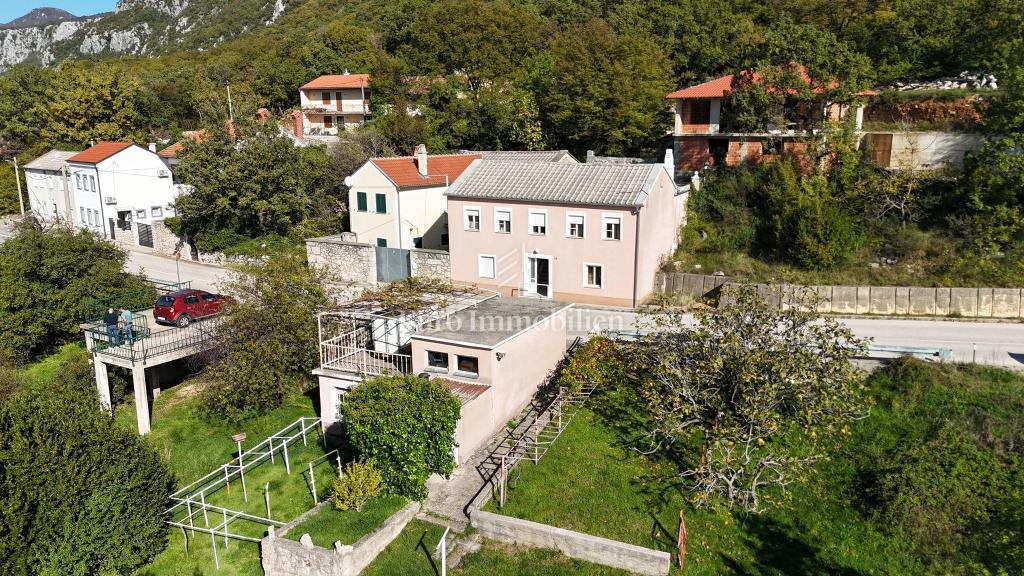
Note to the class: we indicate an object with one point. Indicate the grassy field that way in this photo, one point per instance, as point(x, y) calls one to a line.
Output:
point(586, 482)
point(413, 554)
point(194, 446)
point(330, 525)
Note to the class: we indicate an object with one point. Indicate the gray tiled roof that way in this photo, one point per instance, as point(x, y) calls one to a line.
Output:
point(556, 183)
point(52, 160)
point(528, 155)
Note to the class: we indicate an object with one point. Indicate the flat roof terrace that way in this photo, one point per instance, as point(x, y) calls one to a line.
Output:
point(492, 322)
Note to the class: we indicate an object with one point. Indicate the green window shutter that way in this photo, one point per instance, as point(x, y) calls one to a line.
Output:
point(361, 201)
point(382, 203)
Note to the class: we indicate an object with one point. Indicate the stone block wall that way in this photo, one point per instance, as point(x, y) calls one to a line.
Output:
point(881, 300)
point(345, 262)
point(431, 263)
point(283, 557)
point(635, 559)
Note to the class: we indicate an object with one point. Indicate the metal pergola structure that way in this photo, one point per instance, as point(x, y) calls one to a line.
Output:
point(191, 513)
point(367, 336)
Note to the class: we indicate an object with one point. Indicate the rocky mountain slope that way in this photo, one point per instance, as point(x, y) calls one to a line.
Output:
point(136, 27)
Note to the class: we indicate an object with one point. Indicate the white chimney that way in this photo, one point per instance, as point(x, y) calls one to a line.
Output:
point(670, 161)
point(152, 147)
point(421, 159)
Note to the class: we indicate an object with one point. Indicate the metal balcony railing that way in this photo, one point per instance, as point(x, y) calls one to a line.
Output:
point(351, 352)
point(142, 343)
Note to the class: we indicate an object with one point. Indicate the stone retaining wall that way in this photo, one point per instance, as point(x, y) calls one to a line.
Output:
point(881, 300)
point(576, 545)
point(283, 557)
point(355, 264)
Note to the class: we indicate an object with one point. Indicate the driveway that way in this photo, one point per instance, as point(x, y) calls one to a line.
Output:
point(203, 276)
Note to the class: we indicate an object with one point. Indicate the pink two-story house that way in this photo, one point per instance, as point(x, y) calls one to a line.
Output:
point(588, 233)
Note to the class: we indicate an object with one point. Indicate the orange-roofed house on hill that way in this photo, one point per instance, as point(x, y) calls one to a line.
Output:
point(399, 202)
point(699, 128)
point(331, 103)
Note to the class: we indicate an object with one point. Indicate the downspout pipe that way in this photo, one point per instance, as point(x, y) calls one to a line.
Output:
point(636, 255)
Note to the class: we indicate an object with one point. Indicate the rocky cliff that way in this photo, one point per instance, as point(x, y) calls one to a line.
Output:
point(137, 27)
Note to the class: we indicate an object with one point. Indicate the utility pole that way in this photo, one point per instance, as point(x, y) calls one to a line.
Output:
point(69, 211)
point(17, 179)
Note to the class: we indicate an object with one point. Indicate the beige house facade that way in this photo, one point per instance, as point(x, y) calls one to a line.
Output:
point(587, 233)
point(332, 103)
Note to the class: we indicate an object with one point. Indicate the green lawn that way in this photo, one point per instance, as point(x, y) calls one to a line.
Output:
point(330, 525)
point(586, 482)
point(193, 447)
point(413, 553)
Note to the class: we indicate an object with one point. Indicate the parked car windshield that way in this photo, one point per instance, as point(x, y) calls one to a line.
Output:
point(165, 301)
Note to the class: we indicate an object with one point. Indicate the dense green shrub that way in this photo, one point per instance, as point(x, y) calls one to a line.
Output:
point(267, 345)
point(52, 279)
point(79, 495)
point(405, 426)
point(359, 483)
point(941, 460)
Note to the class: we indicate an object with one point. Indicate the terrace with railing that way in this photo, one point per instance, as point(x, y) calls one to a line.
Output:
point(370, 337)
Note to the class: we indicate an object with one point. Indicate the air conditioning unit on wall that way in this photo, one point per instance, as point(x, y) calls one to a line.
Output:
point(163, 173)
point(110, 200)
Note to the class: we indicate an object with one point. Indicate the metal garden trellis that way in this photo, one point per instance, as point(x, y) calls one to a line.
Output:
point(190, 501)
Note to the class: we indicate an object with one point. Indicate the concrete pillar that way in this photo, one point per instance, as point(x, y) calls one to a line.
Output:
point(141, 398)
point(102, 384)
point(154, 381)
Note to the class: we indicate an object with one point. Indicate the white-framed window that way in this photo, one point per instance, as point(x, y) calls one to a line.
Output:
point(437, 361)
point(593, 275)
point(141, 213)
point(575, 225)
point(503, 220)
point(81, 213)
point(538, 223)
point(611, 226)
point(156, 211)
point(339, 408)
point(471, 216)
point(88, 212)
point(467, 366)
point(78, 181)
point(92, 183)
point(486, 265)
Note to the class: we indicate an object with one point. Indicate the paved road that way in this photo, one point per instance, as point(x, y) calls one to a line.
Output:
point(992, 343)
point(203, 276)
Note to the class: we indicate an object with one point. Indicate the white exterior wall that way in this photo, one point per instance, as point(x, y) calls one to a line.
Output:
point(127, 181)
point(348, 113)
point(47, 197)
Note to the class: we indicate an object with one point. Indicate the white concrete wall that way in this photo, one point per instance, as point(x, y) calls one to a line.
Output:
point(133, 177)
point(369, 226)
point(46, 194)
point(89, 211)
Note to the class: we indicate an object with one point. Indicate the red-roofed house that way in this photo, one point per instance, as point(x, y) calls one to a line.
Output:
point(331, 102)
point(700, 141)
point(120, 190)
point(399, 202)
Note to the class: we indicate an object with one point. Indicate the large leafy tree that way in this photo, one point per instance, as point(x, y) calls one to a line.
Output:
point(79, 495)
point(51, 279)
point(266, 346)
point(749, 395)
point(603, 90)
point(405, 425)
point(262, 184)
point(86, 105)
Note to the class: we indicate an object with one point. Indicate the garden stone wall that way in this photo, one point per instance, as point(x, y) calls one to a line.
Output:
point(283, 557)
point(636, 559)
point(355, 264)
point(431, 263)
point(880, 300)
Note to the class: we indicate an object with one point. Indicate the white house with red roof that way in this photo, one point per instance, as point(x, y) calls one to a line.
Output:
point(399, 202)
point(120, 190)
point(330, 103)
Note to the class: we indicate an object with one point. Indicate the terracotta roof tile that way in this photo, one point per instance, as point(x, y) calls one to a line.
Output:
point(172, 150)
point(99, 152)
point(719, 87)
point(338, 81)
point(404, 171)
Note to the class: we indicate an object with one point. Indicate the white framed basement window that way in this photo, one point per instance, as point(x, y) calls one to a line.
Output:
point(471, 217)
point(486, 265)
point(538, 223)
point(575, 225)
point(593, 275)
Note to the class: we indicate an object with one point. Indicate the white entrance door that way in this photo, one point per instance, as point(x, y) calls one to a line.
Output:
point(538, 275)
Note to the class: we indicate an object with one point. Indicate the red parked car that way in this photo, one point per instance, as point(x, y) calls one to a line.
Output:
point(182, 307)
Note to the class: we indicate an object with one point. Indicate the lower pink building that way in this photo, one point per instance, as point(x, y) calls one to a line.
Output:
point(587, 233)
